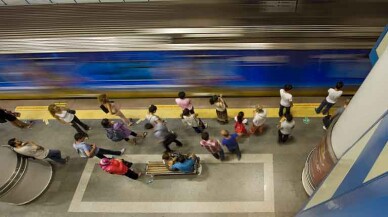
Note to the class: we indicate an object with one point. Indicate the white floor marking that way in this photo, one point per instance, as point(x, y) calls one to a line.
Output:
point(77, 205)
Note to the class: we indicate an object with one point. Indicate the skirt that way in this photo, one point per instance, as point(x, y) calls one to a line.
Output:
point(222, 116)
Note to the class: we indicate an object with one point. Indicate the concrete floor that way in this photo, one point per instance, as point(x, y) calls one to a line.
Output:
point(226, 182)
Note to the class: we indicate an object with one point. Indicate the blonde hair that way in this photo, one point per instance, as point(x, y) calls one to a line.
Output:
point(52, 110)
point(102, 98)
point(224, 133)
point(259, 108)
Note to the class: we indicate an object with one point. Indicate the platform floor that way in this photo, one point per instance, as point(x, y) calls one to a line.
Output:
point(266, 182)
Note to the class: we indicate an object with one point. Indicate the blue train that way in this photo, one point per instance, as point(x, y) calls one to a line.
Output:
point(171, 70)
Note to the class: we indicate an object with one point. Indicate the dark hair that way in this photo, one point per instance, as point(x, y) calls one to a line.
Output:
point(186, 112)
point(166, 155)
point(240, 119)
point(211, 101)
point(241, 113)
point(289, 117)
point(181, 158)
point(105, 123)
point(288, 87)
point(148, 126)
point(339, 85)
point(12, 142)
point(181, 95)
point(79, 136)
point(205, 136)
point(152, 108)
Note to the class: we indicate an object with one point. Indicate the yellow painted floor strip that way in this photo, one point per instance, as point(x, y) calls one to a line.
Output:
point(164, 111)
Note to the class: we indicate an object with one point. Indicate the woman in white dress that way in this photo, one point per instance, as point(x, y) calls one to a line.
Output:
point(259, 118)
point(68, 117)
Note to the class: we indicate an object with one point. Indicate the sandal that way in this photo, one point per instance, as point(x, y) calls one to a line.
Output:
point(144, 134)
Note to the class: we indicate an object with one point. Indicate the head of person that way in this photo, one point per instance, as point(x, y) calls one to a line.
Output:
point(80, 137)
point(166, 156)
point(259, 109)
point(53, 109)
point(224, 133)
point(288, 87)
point(148, 126)
point(106, 123)
point(240, 117)
point(289, 117)
point(205, 136)
point(180, 159)
point(152, 109)
point(186, 112)
point(339, 85)
point(213, 99)
point(182, 95)
point(102, 98)
point(104, 162)
point(14, 142)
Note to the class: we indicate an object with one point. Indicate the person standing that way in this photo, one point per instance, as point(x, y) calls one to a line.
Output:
point(239, 126)
point(118, 167)
point(259, 118)
point(68, 117)
point(285, 128)
point(230, 141)
point(329, 118)
point(331, 99)
point(6, 115)
point(285, 100)
point(112, 108)
point(151, 117)
point(213, 146)
point(193, 121)
point(184, 103)
point(86, 150)
point(221, 108)
point(31, 149)
point(117, 131)
point(164, 135)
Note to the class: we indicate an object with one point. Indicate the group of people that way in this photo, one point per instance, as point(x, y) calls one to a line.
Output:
point(119, 130)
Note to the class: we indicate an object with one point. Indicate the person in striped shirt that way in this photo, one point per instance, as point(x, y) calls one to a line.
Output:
point(213, 146)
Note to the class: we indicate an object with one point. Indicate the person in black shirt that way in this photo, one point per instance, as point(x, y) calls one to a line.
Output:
point(12, 117)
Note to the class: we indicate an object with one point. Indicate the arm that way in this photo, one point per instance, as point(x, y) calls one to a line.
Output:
point(91, 152)
point(38, 147)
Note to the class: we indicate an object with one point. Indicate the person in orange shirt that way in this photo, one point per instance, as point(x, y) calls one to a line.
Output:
point(118, 167)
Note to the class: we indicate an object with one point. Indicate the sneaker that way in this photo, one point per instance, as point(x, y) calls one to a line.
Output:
point(122, 151)
point(324, 128)
point(144, 134)
point(89, 128)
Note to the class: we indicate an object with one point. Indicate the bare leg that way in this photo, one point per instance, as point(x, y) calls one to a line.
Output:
point(122, 116)
point(19, 123)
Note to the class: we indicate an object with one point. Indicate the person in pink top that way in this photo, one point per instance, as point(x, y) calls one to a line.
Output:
point(213, 146)
point(118, 167)
point(184, 103)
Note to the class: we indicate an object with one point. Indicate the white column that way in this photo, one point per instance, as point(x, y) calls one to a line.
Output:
point(368, 104)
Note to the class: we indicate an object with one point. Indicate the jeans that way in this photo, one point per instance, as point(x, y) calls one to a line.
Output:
point(323, 104)
point(77, 122)
point(282, 138)
point(101, 153)
point(236, 151)
point(220, 155)
point(130, 174)
point(55, 155)
point(281, 108)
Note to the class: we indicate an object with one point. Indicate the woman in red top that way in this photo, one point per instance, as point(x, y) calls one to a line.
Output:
point(118, 167)
point(239, 126)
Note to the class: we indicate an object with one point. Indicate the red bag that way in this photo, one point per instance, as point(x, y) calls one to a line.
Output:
point(240, 128)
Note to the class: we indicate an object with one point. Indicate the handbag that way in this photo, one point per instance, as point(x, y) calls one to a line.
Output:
point(71, 111)
point(104, 109)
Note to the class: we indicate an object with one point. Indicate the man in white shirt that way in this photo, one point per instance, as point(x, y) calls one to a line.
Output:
point(286, 100)
point(331, 99)
point(285, 128)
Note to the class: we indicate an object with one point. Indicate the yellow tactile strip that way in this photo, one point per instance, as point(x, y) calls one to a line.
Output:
point(164, 111)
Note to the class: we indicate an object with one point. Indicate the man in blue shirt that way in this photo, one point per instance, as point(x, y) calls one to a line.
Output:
point(230, 141)
point(180, 162)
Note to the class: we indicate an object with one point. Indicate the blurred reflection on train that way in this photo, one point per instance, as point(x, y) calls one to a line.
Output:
point(171, 70)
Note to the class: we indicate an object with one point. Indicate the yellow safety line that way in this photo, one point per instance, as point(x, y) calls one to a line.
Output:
point(164, 111)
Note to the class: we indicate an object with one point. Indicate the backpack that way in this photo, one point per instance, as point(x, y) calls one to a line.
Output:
point(114, 135)
point(239, 128)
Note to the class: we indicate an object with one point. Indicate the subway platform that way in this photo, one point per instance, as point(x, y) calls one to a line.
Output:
point(266, 182)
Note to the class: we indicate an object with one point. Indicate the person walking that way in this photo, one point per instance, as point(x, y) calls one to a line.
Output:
point(112, 108)
point(331, 99)
point(151, 117)
point(328, 119)
point(285, 100)
point(230, 141)
point(184, 103)
point(213, 146)
point(221, 108)
point(68, 117)
point(162, 133)
point(117, 131)
point(86, 150)
point(118, 167)
point(259, 118)
point(6, 115)
point(193, 121)
point(31, 149)
point(285, 128)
